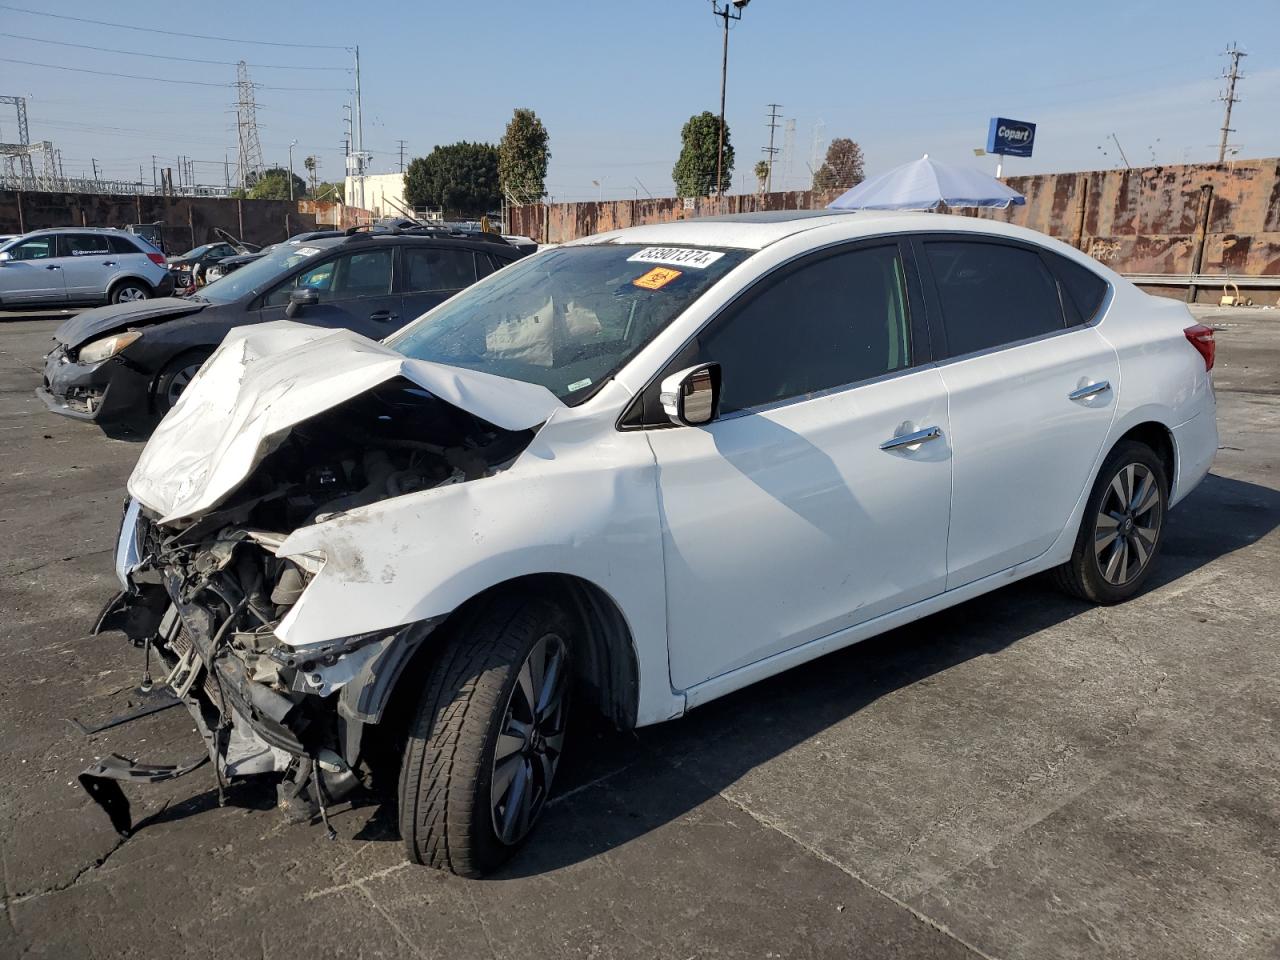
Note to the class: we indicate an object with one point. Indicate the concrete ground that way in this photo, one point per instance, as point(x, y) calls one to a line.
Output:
point(1023, 776)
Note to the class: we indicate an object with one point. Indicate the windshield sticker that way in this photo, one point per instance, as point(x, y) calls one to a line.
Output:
point(578, 385)
point(307, 251)
point(676, 256)
point(655, 279)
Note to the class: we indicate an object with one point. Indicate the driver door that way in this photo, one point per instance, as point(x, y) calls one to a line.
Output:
point(355, 291)
point(794, 514)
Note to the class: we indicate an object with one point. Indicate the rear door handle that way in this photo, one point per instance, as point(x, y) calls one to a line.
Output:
point(1089, 390)
point(384, 315)
point(912, 439)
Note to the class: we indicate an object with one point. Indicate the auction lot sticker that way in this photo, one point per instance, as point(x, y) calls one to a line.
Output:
point(656, 279)
point(676, 257)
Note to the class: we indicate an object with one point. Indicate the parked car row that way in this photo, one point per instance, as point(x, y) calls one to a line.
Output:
point(650, 467)
point(124, 366)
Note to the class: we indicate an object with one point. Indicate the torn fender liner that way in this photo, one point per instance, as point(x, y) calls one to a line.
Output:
point(101, 783)
point(267, 378)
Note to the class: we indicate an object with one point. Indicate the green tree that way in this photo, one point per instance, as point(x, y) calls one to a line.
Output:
point(461, 178)
point(761, 171)
point(843, 167)
point(522, 158)
point(695, 170)
point(274, 185)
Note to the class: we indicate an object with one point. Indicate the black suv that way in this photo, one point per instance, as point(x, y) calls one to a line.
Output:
point(124, 366)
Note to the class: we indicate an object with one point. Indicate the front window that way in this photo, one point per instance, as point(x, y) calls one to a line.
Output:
point(255, 275)
point(567, 319)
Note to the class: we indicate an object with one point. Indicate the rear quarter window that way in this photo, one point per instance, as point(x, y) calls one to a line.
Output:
point(1082, 290)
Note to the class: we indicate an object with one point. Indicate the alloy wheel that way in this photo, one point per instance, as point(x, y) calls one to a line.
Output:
point(1128, 524)
point(530, 740)
point(178, 383)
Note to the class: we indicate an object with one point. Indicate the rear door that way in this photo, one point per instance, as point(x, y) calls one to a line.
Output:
point(33, 273)
point(432, 274)
point(1031, 398)
point(356, 291)
point(87, 264)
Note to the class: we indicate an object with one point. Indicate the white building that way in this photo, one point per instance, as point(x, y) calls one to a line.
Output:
point(382, 193)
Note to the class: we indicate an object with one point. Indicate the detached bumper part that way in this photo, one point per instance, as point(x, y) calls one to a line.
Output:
point(102, 782)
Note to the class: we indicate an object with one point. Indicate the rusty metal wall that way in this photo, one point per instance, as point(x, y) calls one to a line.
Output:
point(1157, 220)
point(187, 221)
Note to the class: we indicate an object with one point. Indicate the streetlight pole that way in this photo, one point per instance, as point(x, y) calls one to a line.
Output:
point(731, 10)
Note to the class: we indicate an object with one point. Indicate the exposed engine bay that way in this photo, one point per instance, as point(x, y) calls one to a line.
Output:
point(206, 597)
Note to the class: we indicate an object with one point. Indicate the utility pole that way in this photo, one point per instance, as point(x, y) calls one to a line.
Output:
point(1235, 53)
point(732, 10)
point(771, 151)
point(401, 142)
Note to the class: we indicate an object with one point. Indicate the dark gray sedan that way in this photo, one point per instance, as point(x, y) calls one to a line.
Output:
point(124, 366)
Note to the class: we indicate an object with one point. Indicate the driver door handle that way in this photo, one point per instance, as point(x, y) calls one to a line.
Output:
point(912, 439)
point(383, 315)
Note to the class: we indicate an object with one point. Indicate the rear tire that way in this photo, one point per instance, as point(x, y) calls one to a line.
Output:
point(476, 772)
point(1122, 527)
point(129, 291)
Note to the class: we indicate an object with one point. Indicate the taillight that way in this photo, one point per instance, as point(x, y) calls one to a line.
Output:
point(1201, 337)
point(157, 258)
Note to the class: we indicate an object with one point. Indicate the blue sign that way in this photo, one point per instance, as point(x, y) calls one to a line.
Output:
point(1012, 138)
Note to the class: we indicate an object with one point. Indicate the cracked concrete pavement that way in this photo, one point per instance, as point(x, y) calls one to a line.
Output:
point(1023, 776)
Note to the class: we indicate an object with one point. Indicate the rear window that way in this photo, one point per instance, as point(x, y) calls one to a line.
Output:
point(124, 245)
point(992, 294)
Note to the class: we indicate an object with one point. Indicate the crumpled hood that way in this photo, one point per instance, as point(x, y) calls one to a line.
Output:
point(100, 321)
point(266, 378)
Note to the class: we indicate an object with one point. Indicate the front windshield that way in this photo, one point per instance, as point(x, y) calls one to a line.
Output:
point(569, 318)
point(254, 275)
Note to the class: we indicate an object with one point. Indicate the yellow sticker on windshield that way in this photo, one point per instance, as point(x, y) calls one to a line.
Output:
point(656, 279)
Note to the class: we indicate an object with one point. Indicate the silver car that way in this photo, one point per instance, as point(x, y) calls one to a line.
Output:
point(81, 265)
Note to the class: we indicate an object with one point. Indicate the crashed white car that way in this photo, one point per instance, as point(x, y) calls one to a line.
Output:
point(653, 466)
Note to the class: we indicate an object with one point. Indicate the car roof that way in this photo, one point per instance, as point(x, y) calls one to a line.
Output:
point(755, 231)
point(113, 230)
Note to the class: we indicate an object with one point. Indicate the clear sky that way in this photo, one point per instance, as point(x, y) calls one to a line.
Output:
point(615, 81)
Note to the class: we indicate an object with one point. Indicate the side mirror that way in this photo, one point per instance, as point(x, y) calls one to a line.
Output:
point(302, 297)
point(692, 397)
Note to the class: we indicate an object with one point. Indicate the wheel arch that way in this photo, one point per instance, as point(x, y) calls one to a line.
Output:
point(114, 285)
point(1159, 438)
point(604, 655)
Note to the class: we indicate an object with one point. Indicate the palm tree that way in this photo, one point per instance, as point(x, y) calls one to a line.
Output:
point(311, 163)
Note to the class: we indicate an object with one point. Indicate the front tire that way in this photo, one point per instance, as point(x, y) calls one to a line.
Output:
point(1122, 528)
point(487, 736)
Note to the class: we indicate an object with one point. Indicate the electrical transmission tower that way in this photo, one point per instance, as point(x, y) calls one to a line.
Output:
point(1230, 98)
point(771, 151)
point(251, 165)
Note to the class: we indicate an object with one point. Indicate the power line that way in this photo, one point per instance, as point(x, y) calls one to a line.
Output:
point(190, 83)
point(161, 56)
point(1230, 99)
point(173, 33)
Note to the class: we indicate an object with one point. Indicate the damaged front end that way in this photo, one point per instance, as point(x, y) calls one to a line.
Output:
point(206, 596)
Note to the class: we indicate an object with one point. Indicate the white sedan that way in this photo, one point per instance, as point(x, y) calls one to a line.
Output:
point(653, 466)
